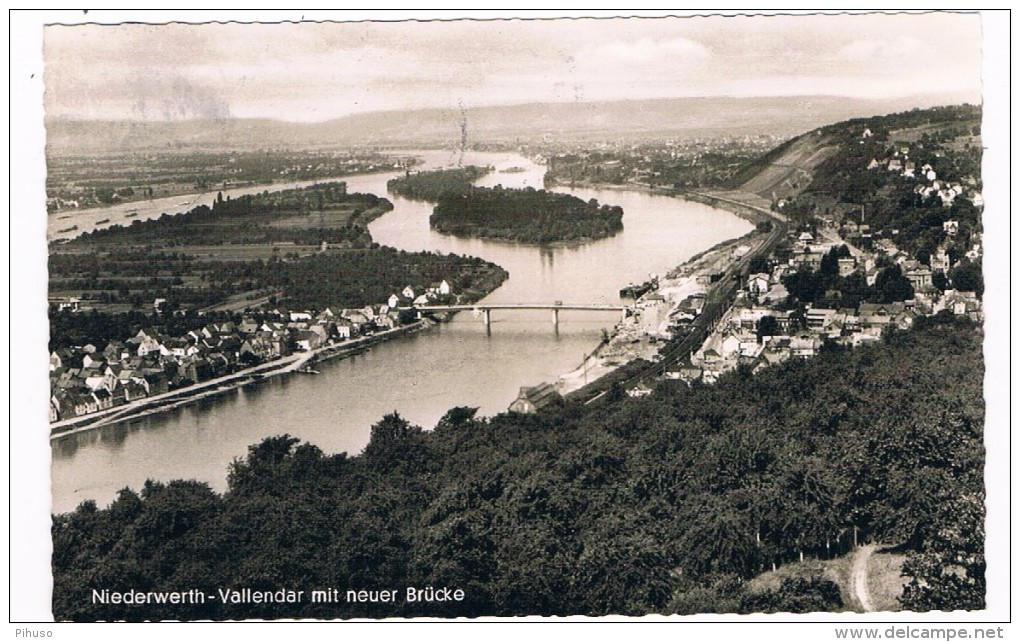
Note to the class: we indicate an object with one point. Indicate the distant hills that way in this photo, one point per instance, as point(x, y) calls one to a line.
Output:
point(688, 117)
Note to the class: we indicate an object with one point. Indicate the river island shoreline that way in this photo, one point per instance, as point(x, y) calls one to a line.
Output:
point(592, 368)
point(392, 231)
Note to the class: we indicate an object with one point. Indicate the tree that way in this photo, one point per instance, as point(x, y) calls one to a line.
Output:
point(758, 265)
point(948, 573)
point(966, 277)
point(893, 286)
point(616, 392)
point(806, 287)
point(767, 327)
point(394, 443)
point(796, 595)
point(456, 417)
point(830, 263)
point(263, 458)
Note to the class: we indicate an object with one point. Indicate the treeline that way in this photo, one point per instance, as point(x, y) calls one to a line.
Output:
point(254, 219)
point(524, 215)
point(137, 278)
point(966, 116)
point(432, 185)
point(356, 278)
point(711, 165)
point(207, 228)
point(663, 504)
point(123, 263)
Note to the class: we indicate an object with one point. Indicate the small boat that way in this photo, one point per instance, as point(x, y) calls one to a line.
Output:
point(307, 370)
point(68, 229)
point(131, 213)
point(100, 222)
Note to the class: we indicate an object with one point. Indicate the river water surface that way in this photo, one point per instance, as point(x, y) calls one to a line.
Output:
point(420, 376)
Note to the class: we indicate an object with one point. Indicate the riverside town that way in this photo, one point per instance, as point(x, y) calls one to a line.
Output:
point(594, 334)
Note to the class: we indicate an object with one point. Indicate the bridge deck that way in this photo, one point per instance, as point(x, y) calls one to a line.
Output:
point(516, 306)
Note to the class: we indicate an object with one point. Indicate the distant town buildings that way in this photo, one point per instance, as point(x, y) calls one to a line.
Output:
point(85, 381)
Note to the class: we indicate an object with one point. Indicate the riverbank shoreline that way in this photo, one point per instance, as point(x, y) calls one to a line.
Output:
point(177, 398)
point(755, 212)
point(681, 278)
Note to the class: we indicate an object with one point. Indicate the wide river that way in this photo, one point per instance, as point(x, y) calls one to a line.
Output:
point(420, 376)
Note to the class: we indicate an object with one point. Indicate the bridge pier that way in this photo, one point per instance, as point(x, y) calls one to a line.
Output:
point(556, 318)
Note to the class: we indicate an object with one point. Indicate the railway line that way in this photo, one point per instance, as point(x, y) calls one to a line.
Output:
point(720, 297)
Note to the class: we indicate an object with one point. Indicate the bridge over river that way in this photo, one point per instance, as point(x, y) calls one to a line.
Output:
point(486, 309)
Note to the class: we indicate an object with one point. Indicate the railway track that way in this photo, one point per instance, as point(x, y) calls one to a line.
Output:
point(720, 298)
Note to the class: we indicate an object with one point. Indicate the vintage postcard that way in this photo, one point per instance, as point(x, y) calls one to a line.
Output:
point(361, 316)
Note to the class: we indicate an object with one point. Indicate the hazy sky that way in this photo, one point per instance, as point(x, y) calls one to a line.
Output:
point(314, 72)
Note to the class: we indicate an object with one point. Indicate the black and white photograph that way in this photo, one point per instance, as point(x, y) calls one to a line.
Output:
point(494, 316)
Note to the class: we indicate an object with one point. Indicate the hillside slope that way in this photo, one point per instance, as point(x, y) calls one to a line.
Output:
point(789, 172)
point(808, 161)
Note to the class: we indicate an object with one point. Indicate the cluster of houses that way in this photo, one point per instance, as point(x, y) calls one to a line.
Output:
point(84, 380)
point(743, 336)
point(348, 166)
point(898, 161)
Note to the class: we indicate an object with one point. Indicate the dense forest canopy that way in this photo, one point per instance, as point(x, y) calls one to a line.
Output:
point(433, 185)
point(526, 215)
point(356, 278)
point(334, 216)
point(662, 504)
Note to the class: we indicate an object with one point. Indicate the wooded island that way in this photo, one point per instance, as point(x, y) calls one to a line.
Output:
point(524, 215)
